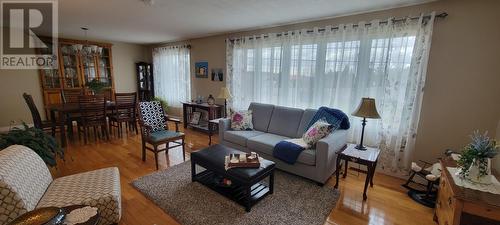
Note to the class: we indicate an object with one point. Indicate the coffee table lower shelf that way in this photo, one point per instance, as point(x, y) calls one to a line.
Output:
point(235, 192)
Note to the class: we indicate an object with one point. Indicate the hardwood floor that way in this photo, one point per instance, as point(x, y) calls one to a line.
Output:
point(387, 202)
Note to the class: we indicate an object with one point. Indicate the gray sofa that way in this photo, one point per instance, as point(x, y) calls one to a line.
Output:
point(273, 124)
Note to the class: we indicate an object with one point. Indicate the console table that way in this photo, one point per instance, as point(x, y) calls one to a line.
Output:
point(213, 111)
point(457, 205)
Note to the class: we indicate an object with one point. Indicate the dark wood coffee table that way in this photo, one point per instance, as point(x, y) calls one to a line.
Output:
point(247, 186)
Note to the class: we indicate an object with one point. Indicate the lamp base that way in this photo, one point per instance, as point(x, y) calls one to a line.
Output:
point(360, 147)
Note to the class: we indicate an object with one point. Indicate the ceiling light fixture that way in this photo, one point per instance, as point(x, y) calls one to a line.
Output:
point(87, 49)
point(148, 2)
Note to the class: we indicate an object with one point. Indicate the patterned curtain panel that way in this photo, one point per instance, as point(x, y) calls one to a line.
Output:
point(172, 79)
point(336, 68)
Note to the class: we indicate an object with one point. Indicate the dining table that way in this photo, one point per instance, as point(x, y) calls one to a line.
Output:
point(62, 110)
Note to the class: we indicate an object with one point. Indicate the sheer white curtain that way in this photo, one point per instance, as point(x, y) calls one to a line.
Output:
point(336, 68)
point(172, 80)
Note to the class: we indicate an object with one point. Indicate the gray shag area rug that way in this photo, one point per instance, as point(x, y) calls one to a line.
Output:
point(295, 200)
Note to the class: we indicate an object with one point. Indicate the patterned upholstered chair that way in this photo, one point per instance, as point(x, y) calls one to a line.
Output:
point(26, 184)
point(154, 130)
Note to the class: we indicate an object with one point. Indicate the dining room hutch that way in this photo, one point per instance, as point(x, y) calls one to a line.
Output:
point(79, 62)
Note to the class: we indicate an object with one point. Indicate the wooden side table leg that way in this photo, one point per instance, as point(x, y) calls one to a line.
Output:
point(184, 114)
point(367, 180)
point(337, 172)
point(210, 131)
point(345, 169)
point(373, 174)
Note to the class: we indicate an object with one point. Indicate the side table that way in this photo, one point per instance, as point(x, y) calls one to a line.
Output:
point(211, 124)
point(368, 157)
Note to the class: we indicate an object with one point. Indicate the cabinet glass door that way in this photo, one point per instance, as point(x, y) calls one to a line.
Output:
point(50, 76)
point(70, 66)
point(104, 67)
point(88, 64)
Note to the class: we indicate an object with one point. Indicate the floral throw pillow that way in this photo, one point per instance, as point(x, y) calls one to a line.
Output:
point(241, 120)
point(317, 131)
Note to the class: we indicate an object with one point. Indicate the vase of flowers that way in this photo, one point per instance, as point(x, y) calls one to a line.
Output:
point(475, 160)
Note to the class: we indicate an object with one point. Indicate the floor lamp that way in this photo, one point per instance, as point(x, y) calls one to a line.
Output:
point(226, 95)
point(366, 109)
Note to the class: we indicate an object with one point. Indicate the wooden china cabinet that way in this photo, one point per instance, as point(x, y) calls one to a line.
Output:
point(78, 63)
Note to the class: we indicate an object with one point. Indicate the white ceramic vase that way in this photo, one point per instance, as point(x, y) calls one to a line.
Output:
point(474, 172)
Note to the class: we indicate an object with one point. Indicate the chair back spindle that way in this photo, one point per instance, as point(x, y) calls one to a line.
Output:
point(71, 96)
point(125, 105)
point(92, 109)
point(37, 119)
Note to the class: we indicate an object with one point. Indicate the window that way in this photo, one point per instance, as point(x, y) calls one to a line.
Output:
point(336, 69)
point(250, 60)
point(172, 80)
point(341, 56)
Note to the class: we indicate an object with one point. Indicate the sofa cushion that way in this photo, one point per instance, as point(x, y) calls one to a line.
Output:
point(24, 178)
point(285, 121)
point(304, 121)
point(240, 136)
point(241, 120)
point(265, 143)
point(317, 131)
point(261, 115)
point(98, 188)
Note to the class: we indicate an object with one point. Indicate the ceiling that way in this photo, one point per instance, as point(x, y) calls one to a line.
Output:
point(134, 21)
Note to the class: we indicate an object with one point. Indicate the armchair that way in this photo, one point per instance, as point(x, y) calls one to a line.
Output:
point(154, 130)
point(26, 184)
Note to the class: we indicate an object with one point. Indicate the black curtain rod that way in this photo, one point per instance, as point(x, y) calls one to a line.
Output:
point(441, 15)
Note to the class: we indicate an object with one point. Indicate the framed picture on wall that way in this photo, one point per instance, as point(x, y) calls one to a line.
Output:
point(201, 69)
point(217, 74)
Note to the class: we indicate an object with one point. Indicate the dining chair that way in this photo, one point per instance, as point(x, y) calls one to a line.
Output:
point(46, 125)
point(124, 110)
point(155, 132)
point(93, 115)
point(70, 96)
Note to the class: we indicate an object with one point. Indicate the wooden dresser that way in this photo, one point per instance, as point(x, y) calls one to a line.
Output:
point(457, 205)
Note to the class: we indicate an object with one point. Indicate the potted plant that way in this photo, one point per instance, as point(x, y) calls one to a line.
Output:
point(475, 160)
point(163, 103)
point(96, 86)
point(39, 141)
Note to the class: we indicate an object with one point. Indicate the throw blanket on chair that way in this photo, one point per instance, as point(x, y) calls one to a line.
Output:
point(333, 116)
point(289, 150)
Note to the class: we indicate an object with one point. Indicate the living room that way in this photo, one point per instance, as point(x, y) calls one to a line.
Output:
point(345, 112)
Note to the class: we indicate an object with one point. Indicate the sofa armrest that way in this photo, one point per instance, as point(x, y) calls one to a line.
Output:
point(224, 124)
point(327, 147)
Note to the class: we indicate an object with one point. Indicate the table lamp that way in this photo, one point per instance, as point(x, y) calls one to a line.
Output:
point(226, 95)
point(366, 109)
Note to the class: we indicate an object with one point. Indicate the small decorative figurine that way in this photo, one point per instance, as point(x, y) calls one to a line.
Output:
point(210, 100)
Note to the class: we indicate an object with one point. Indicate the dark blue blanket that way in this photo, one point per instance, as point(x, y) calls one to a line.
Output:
point(287, 151)
point(335, 117)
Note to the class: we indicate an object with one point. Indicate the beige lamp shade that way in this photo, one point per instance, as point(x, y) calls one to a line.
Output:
point(367, 109)
point(224, 93)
